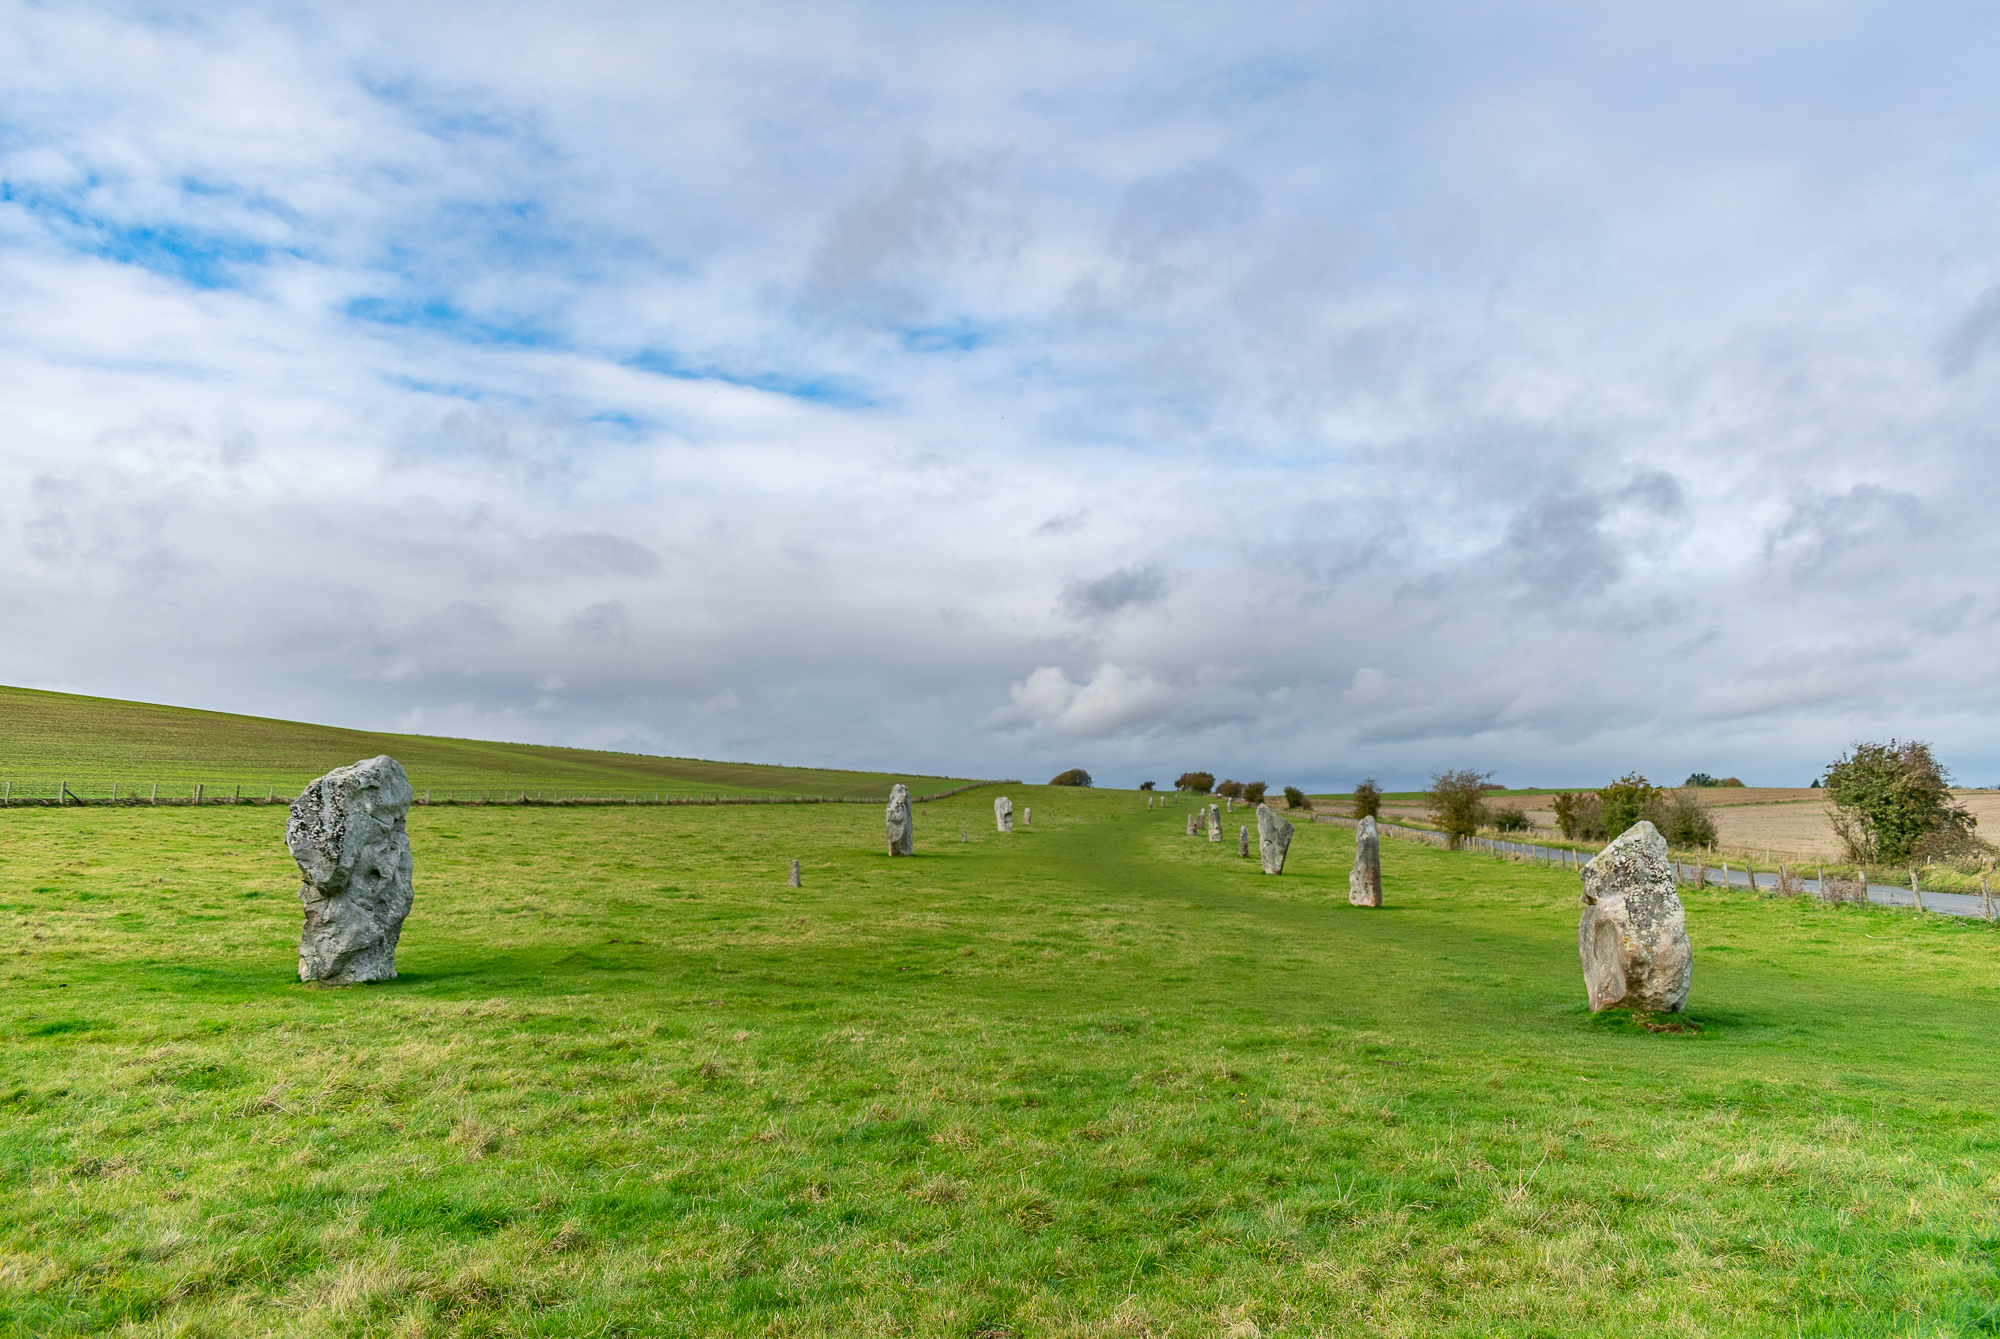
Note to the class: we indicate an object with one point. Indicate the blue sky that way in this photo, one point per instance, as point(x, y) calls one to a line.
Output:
point(1297, 393)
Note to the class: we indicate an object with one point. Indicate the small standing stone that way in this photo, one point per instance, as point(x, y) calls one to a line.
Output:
point(1215, 822)
point(1364, 883)
point(1003, 814)
point(961, 835)
point(793, 882)
point(1028, 816)
point(346, 833)
point(1243, 841)
point(1633, 934)
point(1274, 838)
point(902, 828)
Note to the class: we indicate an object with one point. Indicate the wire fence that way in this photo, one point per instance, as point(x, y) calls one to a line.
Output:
point(1783, 882)
point(64, 793)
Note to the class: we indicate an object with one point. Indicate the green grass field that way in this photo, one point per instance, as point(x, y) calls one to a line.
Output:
point(1091, 1079)
point(96, 743)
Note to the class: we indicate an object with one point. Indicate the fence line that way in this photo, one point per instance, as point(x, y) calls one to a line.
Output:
point(1702, 874)
point(61, 794)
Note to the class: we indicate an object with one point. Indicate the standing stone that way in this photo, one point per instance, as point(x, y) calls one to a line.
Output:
point(1190, 825)
point(1028, 816)
point(1149, 801)
point(1633, 935)
point(1215, 822)
point(1003, 814)
point(1274, 838)
point(961, 835)
point(902, 828)
point(1230, 801)
point(1243, 841)
point(346, 832)
point(793, 882)
point(1364, 883)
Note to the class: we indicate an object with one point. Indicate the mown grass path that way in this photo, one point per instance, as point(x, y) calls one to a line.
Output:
point(1094, 1078)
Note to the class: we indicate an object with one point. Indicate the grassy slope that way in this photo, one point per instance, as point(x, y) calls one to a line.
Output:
point(1091, 1079)
point(91, 742)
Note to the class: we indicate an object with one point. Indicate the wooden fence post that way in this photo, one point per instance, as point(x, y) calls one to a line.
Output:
point(1915, 891)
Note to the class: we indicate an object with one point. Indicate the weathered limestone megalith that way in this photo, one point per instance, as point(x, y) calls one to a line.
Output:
point(1190, 825)
point(793, 882)
point(1274, 838)
point(1364, 883)
point(1243, 841)
point(902, 828)
point(1633, 935)
point(346, 832)
point(1215, 822)
point(1003, 814)
point(1028, 816)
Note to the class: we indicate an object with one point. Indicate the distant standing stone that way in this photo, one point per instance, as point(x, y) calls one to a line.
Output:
point(1364, 884)
point(1215, 822)
point(1190, 825)
point(1274, 838)
point(1633, 935)
point(1028, 816)
point(346, 832)
point(1243, 841)
point(1003, 814)
point(793, 882)
point(962, 837)
point(902, 828)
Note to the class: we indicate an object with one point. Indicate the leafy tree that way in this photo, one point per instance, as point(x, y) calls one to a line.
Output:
point(1889, 798)
point(1146, 785)
point(1368, 799)
point(1296, 798)
point(1233, 789)
point(1704, 779)
point(1200, 783)
point(1510, 818)
point(1457, 803)
point(1253, 792)
point(1075, 776)
point(1624, 799)
point(1730, 781)
point(1680, 818)
point(1580, 815)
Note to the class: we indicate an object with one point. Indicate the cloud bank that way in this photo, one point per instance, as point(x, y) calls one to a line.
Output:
point(1293, 393)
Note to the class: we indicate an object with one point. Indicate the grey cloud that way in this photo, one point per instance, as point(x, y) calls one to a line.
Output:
point(600, 624)
point(1067, 523)
point(1160, 212)
point(1867, 532)
point(1126, 588)
point(1974, 336)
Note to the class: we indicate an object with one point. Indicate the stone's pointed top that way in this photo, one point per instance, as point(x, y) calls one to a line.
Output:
point(1633, 933)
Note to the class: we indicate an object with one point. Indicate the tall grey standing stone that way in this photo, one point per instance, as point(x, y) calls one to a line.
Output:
point(1364, 883)
point(902, 828)
point(1243, 841)
point(1003, 814)
point(1633, 935)
point(346, 832)
point(794, 882)
point(1215, 822)
point(1190, 825)
point(1274, 838)
point(1028, 816)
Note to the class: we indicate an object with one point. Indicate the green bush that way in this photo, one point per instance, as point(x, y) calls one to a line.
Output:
point(1511, 818)
point(1680, 818)
point(1232, 789)
point(1700, 779)
point(1890, 797)
point(1624, 801)
point(1147, 785)
point(1253, 792)
point(1368, 799)
point(1075, 776)
point(1296, 798)
point(1199, 783)
point(1457, 801)
point(1580, 815)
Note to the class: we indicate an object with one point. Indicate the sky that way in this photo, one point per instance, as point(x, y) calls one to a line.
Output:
point(1299, 393)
